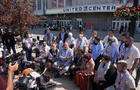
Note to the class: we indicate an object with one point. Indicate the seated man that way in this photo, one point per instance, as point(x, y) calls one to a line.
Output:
point(65, 59)
point(38, 48)
point(70, 40)
point(52, 56)
point(44, 50)
point(81, 43)
point(105, 76)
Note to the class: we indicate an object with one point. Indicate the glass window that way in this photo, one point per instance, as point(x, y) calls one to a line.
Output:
point(39, 4)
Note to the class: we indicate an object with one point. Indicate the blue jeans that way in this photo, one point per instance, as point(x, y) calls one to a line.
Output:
point(66, 65)
point(28, 53)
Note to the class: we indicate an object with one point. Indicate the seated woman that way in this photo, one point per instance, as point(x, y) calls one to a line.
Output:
point(105, 75)
point(86, 70)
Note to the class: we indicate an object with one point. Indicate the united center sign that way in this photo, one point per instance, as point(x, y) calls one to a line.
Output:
point(83, 9)
point(90, 8)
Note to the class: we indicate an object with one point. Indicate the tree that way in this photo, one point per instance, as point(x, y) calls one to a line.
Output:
point(17, 14)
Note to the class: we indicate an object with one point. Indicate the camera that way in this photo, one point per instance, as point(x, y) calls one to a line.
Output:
point(22, 83)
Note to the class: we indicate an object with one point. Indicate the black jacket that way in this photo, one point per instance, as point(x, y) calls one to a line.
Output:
point(65, 36)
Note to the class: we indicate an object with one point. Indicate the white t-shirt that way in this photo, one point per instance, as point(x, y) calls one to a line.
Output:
point(106, 39)
point(28, 42)
point(44, 50)
point(124, 81)
point(132, 55)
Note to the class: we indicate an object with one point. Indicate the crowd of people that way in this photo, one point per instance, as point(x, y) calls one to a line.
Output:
point(93, 64)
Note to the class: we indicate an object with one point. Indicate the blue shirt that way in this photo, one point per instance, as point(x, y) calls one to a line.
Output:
point(96, 50)
point(112, 51)
point(48, 38)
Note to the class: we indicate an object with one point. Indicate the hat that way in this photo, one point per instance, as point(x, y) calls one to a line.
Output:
point(122, 62)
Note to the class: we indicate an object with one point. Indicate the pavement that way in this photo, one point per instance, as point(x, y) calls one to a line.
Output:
point(64, 83)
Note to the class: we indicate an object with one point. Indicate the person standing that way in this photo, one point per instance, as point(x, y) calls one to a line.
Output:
point(124, 79)
point(27, 46)
point(80, 26)
point(9, 84)
point(48, 37)
point(12, 42)
point(110, 35)
point(91, 40)
point(137, 75)
point(131, 54)
point(111, 50)
point(122, 44)
point(97, 50)
point(121, 28)
point(63, 35)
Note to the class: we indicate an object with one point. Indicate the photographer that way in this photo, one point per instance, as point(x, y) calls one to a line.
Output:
point(9, 85)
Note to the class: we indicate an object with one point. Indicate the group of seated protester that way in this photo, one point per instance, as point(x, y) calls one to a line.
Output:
point(93, 64)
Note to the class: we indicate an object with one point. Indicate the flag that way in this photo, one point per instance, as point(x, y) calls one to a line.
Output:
point(61, 3)
point(54, 3)
point(69, 2)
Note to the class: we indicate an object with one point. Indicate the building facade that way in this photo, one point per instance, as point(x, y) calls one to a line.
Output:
point(93, 14)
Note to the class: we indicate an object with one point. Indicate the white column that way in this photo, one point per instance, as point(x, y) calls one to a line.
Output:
point(64, 3)
point(57, 3)
point(124, 1)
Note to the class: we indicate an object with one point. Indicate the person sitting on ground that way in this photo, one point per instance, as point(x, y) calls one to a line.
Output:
point(70, 40)
point(44, 50)
point(38, 48)
point(112, 50)
point(105, 76)
point(81, 44)
point(64, 60)
point(84, 38)
point(59, 43)
point(52, 56)
point(86, 70)
point(25, 63)
point(124, 80)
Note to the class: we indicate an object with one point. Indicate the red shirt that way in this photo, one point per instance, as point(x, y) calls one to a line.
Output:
point(3, 84)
